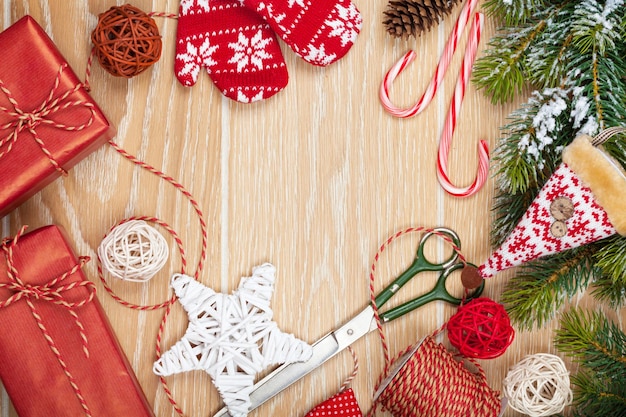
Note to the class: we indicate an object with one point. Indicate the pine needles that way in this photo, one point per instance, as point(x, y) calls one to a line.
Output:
point(599, 346)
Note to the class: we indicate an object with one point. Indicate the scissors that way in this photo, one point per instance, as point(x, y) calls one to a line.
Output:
point(364, 322)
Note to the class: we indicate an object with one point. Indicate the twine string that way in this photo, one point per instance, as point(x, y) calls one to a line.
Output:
point(348, 381)
point(416, 389)
point(372, 277)
point(166, 305)
point(21, 120)
point(53, 292)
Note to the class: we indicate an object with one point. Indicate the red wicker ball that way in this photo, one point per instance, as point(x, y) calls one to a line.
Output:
point(126, 41)
point(481, 329)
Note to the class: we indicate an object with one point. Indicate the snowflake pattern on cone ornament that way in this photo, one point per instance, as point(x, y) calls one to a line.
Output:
point(582, 202)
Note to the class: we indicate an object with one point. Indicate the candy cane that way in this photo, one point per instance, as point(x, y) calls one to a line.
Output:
point(440, 71)
point(457, 99)
point(450, 123)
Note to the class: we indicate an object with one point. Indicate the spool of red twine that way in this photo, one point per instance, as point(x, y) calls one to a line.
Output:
point(432, 383)
point(126, 41)
point(481, 329)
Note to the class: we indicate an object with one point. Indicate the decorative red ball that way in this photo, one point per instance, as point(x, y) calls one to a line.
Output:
point(481, 329)
point(126, 41)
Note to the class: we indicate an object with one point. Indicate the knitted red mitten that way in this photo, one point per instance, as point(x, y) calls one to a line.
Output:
point(238, 49)
point(319, 31)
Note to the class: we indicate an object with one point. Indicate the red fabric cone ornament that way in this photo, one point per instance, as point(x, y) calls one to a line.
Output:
point(582, 202)
point(342, 404)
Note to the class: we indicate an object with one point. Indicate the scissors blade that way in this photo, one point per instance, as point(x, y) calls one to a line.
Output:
point(324, 349)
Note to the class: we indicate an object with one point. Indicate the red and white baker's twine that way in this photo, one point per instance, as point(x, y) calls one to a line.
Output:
point(29, 120)
point(167, 305)
point(446, 238)
point(457, 99)
point(51, 292)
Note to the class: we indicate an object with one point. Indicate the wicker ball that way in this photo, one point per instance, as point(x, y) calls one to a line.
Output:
point(126, 41)
point(481, 329)
point(133, 251)
point(538, 385)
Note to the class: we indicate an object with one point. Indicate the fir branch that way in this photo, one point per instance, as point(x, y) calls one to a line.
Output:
point(610, 292)
point(595, 396)
point(593, 341)
point(610, 286)
point(611, 259)
point(500, 72)
point(548, 56)
point(513, 12)
point(540, 129)
point(599, 346)
point(541, 288)
point(596, 26)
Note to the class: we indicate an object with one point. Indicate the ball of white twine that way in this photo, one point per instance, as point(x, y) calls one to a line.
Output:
point(538, 385)
point(133, 251)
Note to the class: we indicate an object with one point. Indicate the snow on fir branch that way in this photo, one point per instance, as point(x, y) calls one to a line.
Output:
point(569, 57)
point(533, 135)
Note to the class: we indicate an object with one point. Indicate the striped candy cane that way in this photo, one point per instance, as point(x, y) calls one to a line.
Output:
point(440, 71)
point(455, 106)
point(450, 123)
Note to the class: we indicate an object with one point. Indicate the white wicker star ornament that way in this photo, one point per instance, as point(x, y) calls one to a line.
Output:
point(231, 336)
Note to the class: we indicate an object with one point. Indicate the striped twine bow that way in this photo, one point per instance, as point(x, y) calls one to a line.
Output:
point(42, 115)
point(52, 292)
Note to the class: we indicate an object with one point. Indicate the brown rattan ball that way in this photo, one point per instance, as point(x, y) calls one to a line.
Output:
point(126, 41)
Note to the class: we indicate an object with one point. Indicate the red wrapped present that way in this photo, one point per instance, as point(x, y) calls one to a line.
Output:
point(48, 121)
point(58, 354)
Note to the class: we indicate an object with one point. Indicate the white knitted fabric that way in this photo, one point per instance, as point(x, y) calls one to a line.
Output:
point(532, 237)
point(231, 337)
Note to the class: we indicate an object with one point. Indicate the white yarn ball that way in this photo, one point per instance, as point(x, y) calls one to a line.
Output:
point(538, 385)
point(133, 251)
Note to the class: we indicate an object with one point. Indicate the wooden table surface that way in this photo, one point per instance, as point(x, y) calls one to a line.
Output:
point(312, 180)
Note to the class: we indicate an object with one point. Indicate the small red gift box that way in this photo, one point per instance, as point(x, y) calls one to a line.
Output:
point(58, 354)
point(48, 121)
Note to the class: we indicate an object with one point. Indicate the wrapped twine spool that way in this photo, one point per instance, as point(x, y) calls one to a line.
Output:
point(481, 329)
point(133, 251)
point(538, 385)
point(126, 41)
point(433, 384)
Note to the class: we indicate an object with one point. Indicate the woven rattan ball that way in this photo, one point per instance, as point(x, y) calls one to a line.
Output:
point(481, 329)
point(126, 41)
point(538, 385)
point(133, 251)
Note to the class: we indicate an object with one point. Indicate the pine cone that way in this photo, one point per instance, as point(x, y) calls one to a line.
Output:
point(404, 18)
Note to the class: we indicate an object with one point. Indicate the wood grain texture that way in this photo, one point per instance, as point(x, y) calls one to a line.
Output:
point(312, 180)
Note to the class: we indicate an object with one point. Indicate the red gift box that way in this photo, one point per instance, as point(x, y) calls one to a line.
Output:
point(58, 353)
point(48, 121)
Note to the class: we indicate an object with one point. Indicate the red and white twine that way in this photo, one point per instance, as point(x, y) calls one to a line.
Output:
point(21, 119)
point(51, 292)
point(457, 99)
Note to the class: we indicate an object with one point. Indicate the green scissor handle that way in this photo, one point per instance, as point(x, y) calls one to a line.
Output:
point(422, 264)
point(438, 293)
